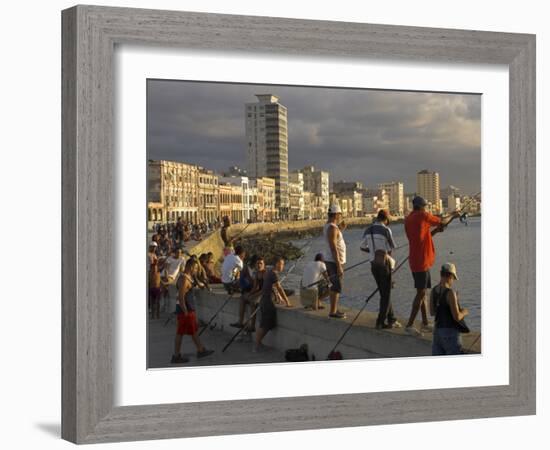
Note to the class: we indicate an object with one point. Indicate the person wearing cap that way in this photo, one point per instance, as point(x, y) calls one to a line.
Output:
point(420, 225)
point(447, 311)
point(335, 257)
point(172, 267)
point(378, 243)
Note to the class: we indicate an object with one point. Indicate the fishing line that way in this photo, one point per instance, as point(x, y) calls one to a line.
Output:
point(376, 290)
point(240, 330)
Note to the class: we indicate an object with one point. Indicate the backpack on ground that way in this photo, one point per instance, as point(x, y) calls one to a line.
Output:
point(297, 354)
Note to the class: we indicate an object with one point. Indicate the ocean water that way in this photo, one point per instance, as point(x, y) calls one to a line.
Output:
point(459, 244)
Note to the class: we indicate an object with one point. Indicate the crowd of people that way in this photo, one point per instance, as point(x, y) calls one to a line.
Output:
point(174, 235)
point(260, 290)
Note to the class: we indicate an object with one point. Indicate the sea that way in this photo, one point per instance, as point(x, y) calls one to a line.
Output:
point(459, 244)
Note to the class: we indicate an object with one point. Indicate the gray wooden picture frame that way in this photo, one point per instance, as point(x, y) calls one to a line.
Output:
point(90, 34)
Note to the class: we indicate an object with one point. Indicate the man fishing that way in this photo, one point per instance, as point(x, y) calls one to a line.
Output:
point(379, 244)
point(335, 257)
point(419, 229)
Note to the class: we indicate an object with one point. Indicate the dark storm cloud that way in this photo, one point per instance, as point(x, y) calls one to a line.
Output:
point(371, 136)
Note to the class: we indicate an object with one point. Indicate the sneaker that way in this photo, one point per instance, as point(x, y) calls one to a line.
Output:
point(412, 331)
point(428, 328)
point(383, 326)
point(396, 324)
point(236, 325)
point(204, 353)
point(178, 359)
point(337, 315)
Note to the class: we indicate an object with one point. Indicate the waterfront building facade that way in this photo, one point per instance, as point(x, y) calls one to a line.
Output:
point(208, 195)
point(340, 187)
point(267, 145)
point(396, 200)
point(296, 195)
point(174, 185)
point(446, 192)
point(263, 207)
point(427, 186)
point(225, 200)
point(240, 203)
point(317, 182)
point(309, 200)
point(453, 203)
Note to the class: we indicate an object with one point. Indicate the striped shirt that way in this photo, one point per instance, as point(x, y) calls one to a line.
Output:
point(378, 236)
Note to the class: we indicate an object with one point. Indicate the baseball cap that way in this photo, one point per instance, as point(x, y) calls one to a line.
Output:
point(334, 209)
point(419, 201)
point(449, 268)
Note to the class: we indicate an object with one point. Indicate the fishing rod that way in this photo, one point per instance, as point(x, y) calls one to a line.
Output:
point(353, 267)
point(205, 326)
point(255, 312)
point(434, 231)
point(362, 309)
point(241, 232)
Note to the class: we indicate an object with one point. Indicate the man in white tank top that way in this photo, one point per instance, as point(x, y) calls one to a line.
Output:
point(335, 257)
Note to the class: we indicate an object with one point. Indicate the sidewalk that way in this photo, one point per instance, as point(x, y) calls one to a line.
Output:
point(161, 347)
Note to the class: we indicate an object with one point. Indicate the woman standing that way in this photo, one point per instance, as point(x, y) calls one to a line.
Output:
point(268, 310)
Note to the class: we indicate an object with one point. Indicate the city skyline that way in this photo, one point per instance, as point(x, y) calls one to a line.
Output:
point(356, 135)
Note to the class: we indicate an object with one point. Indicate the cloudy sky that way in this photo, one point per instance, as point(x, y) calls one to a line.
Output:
point(355, 134)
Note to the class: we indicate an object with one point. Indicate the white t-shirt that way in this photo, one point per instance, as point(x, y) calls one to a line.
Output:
point(230, 265)
point(313, 272)
point(172, 266)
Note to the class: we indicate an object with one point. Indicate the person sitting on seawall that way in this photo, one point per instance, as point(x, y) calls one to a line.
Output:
point(231, 269)
point(202, 277)
point(210, 267)
point(246, 284)
point(314, 284)
point(447, 311)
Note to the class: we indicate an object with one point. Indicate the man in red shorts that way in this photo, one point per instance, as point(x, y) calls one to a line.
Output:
point(418, 226)
point(185, 309)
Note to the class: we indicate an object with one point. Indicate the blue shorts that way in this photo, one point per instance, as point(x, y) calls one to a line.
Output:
point(446, 341)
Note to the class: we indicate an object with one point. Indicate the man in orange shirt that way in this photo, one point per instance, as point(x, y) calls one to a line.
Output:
point(418, 227)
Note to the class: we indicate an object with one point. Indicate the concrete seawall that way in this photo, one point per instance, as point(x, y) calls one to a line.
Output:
point(290, 227)
point(213, 242)
point(297, 326)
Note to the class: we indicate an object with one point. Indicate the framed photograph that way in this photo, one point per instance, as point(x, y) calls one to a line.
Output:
point(318, 218)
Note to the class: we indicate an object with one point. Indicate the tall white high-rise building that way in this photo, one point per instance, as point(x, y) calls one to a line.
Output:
point(427, 186)
point(396, 198)
point(267, 146)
